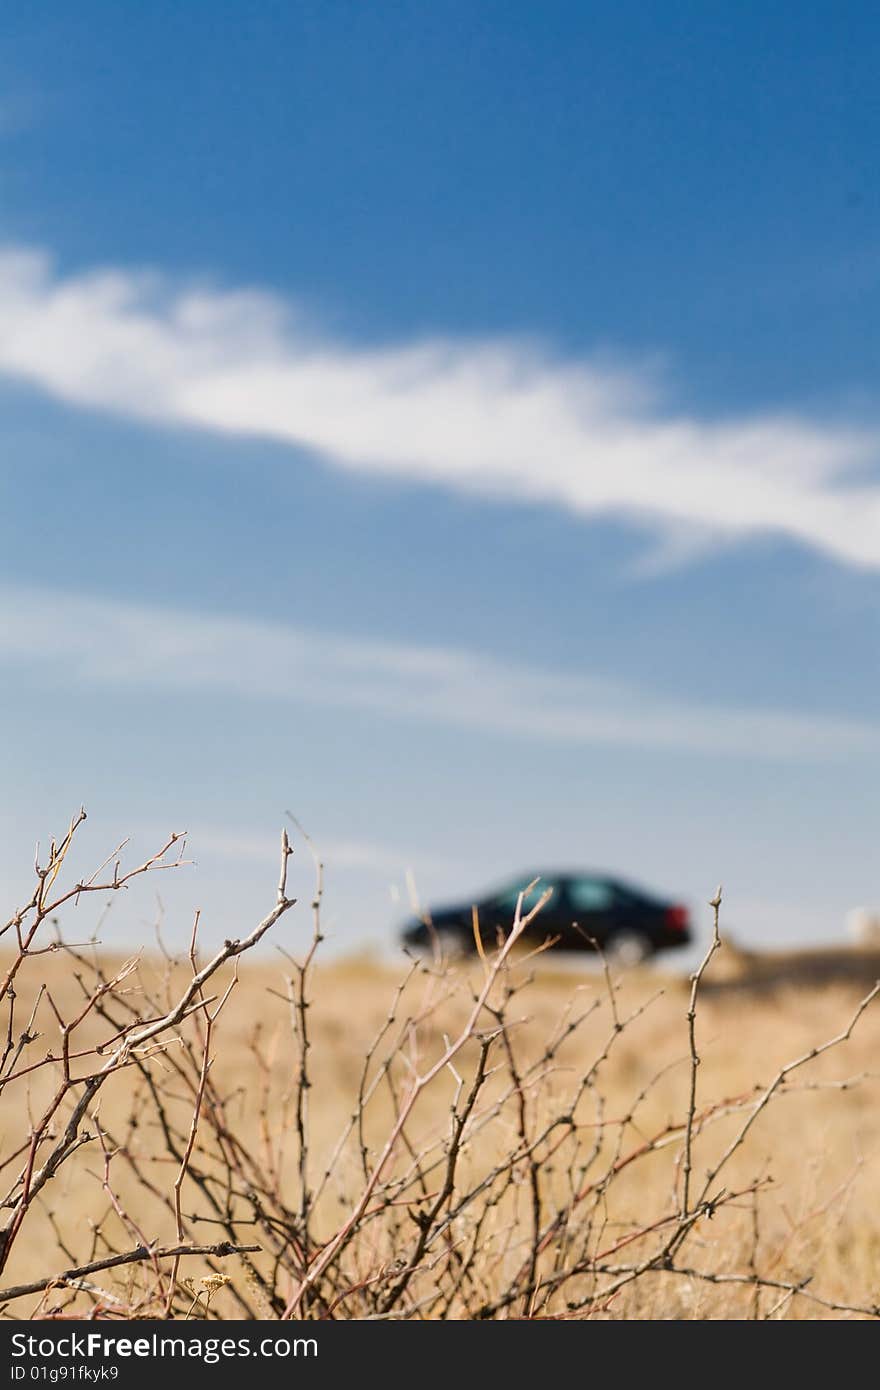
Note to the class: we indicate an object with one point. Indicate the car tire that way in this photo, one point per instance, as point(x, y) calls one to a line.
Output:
point(628, 948)
point(449, 942)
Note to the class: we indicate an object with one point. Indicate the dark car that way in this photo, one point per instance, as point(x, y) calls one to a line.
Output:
point(628, 924)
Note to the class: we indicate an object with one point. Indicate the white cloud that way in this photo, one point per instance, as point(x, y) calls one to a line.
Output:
point(101, 643)
point(493, 418)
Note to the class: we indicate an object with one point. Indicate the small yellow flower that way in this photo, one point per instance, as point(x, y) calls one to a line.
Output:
point(212, 1282)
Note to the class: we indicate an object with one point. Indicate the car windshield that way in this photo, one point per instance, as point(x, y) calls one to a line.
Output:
point(506, 900)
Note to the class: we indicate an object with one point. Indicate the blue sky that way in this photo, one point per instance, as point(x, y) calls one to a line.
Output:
point(456, 423)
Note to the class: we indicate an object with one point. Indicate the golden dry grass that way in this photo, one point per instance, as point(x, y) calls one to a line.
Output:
point(816, 1148)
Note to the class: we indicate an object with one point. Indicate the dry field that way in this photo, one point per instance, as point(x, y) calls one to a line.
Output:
point(491, 1140)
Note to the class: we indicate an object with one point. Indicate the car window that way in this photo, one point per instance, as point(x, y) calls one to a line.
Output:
point(506, 900)
point(590, 894)
point(632, 897)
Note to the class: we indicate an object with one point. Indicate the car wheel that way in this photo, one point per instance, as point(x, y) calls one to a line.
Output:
point(448, 942)
point(628, 948)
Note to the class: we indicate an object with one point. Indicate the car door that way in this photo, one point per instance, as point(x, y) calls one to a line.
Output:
point(590, 911)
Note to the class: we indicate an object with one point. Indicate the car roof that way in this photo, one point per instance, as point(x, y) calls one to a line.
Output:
point(553, 876)
point(563, 877)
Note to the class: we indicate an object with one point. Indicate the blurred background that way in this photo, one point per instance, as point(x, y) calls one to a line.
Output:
point(456, 424)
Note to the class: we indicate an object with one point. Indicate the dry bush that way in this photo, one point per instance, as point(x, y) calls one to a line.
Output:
point(496, 1148)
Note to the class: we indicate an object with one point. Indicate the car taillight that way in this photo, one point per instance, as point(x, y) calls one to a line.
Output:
point(677, 918)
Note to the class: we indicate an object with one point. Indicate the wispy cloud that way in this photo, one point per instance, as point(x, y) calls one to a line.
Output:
point(101, 643)
point(205, 840)
point(498, 418)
